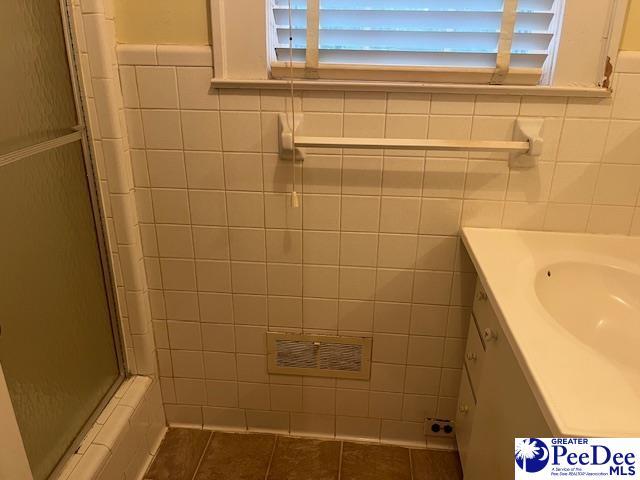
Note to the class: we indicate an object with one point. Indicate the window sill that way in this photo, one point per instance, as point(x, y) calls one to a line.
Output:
point(378, 86)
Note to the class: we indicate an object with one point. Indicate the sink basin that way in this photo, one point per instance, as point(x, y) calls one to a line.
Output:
point(598, 304)
point(568, 304)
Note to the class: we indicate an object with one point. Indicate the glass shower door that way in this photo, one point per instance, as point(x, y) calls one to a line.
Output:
point(59, 349)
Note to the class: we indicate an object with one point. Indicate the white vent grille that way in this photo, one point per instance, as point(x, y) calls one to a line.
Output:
point(319, 355)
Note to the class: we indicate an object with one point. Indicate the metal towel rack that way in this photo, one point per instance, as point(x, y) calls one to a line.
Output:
point(525, 149)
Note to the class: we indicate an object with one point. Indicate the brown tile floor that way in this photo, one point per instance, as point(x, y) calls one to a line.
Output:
point(202, 455)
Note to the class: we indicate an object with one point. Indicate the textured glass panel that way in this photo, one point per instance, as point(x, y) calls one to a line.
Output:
point(56, 348)
point(36, 93)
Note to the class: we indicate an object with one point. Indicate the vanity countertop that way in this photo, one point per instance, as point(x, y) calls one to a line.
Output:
point(569, 305)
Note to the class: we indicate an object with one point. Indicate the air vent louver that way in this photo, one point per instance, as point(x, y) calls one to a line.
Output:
point(319, 355)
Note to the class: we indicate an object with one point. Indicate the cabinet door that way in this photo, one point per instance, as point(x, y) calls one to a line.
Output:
point(464, 417)
point(506, 409)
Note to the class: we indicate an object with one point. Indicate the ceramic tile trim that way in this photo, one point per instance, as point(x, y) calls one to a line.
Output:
point(201, 56)
point(125, 437)
point(95, 34)
point(628, 62)
point(170, 55)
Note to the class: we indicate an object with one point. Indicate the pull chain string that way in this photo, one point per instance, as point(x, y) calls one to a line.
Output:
point(294, 195)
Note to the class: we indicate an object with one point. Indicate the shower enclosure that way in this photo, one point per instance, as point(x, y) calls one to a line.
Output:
point(60, 353)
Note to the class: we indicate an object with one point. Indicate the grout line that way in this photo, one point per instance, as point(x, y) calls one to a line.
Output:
point(195, 473)
point(410, 463)
point(273, 452)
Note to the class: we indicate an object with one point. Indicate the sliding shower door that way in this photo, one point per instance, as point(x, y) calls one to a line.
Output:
point(59, 348)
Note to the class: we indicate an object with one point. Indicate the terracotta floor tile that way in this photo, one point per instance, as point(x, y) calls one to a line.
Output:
point(303, 459)
point(178, 455)
point(232, 456)
point(436, 465)
point(374, 462)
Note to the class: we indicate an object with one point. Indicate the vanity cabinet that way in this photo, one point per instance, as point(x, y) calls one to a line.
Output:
point(495, 404)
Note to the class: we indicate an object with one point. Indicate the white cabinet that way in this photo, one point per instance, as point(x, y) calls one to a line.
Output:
point(495, 404)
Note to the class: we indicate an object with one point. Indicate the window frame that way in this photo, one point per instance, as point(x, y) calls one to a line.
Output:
point(245, 56)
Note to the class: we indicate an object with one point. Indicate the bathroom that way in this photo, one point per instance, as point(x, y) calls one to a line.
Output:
point(316, 239)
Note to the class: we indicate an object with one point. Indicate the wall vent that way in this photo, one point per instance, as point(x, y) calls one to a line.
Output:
point(319, 355)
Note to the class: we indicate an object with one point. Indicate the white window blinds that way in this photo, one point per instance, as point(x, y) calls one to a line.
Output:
point(502, 41)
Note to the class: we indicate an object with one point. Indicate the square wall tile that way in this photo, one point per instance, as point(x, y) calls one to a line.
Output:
point(574, 183)
point(166, 169)
point(243, 171)
point(402, 176)
point(626, 103)
point(444, 177)
point(162, 129)
point(284, 279)
point(181, 306)
point(213, 276)
point(358, 249)
point(583, 140)
point(241, 99)
point(321, 212)
point(397, 251)
point(320, 281)
point(245, 209)
point(408, 103)
point(184, 335)
point(285, 312)
point(320, 247)
point(361, 175)
point(241, 131)
point(208, 207)
point(623, 142)
point(250, 309)
point(322, 173)
point(247, 244)
point(399, 215)
point(201, 130)
point(218, 338)
point(178, 274)
point(279, 213)
point(284, 246)
point(617, 185)
point(174, 241)
point(391, 317)
point(360, 213)
point(320, 314)
point(249, 278)
point(210, 243)
point(357, 283)
point(389, 348)
point(194, 88)
point(158, 87)
point(204, 170)
point(440, 216)
point(394, 285)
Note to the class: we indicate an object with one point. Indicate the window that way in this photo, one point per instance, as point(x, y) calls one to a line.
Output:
point(416, 39)
point(555, 43)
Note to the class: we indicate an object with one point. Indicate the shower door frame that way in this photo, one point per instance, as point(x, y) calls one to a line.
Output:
point(13, 457)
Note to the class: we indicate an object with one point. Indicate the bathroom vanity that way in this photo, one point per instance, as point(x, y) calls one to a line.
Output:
point(551, 343)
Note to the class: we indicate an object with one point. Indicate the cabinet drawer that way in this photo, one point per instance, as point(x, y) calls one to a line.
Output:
point(485, 317)
point(474, 355)
point(464, 417)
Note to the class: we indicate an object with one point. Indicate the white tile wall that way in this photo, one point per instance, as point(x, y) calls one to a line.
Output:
point(373, 249)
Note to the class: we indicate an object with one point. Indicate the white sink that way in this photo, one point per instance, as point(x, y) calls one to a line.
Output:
point(597, 304)
point(569, 305)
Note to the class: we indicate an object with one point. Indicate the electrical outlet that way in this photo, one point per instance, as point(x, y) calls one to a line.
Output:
point(439, 427)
